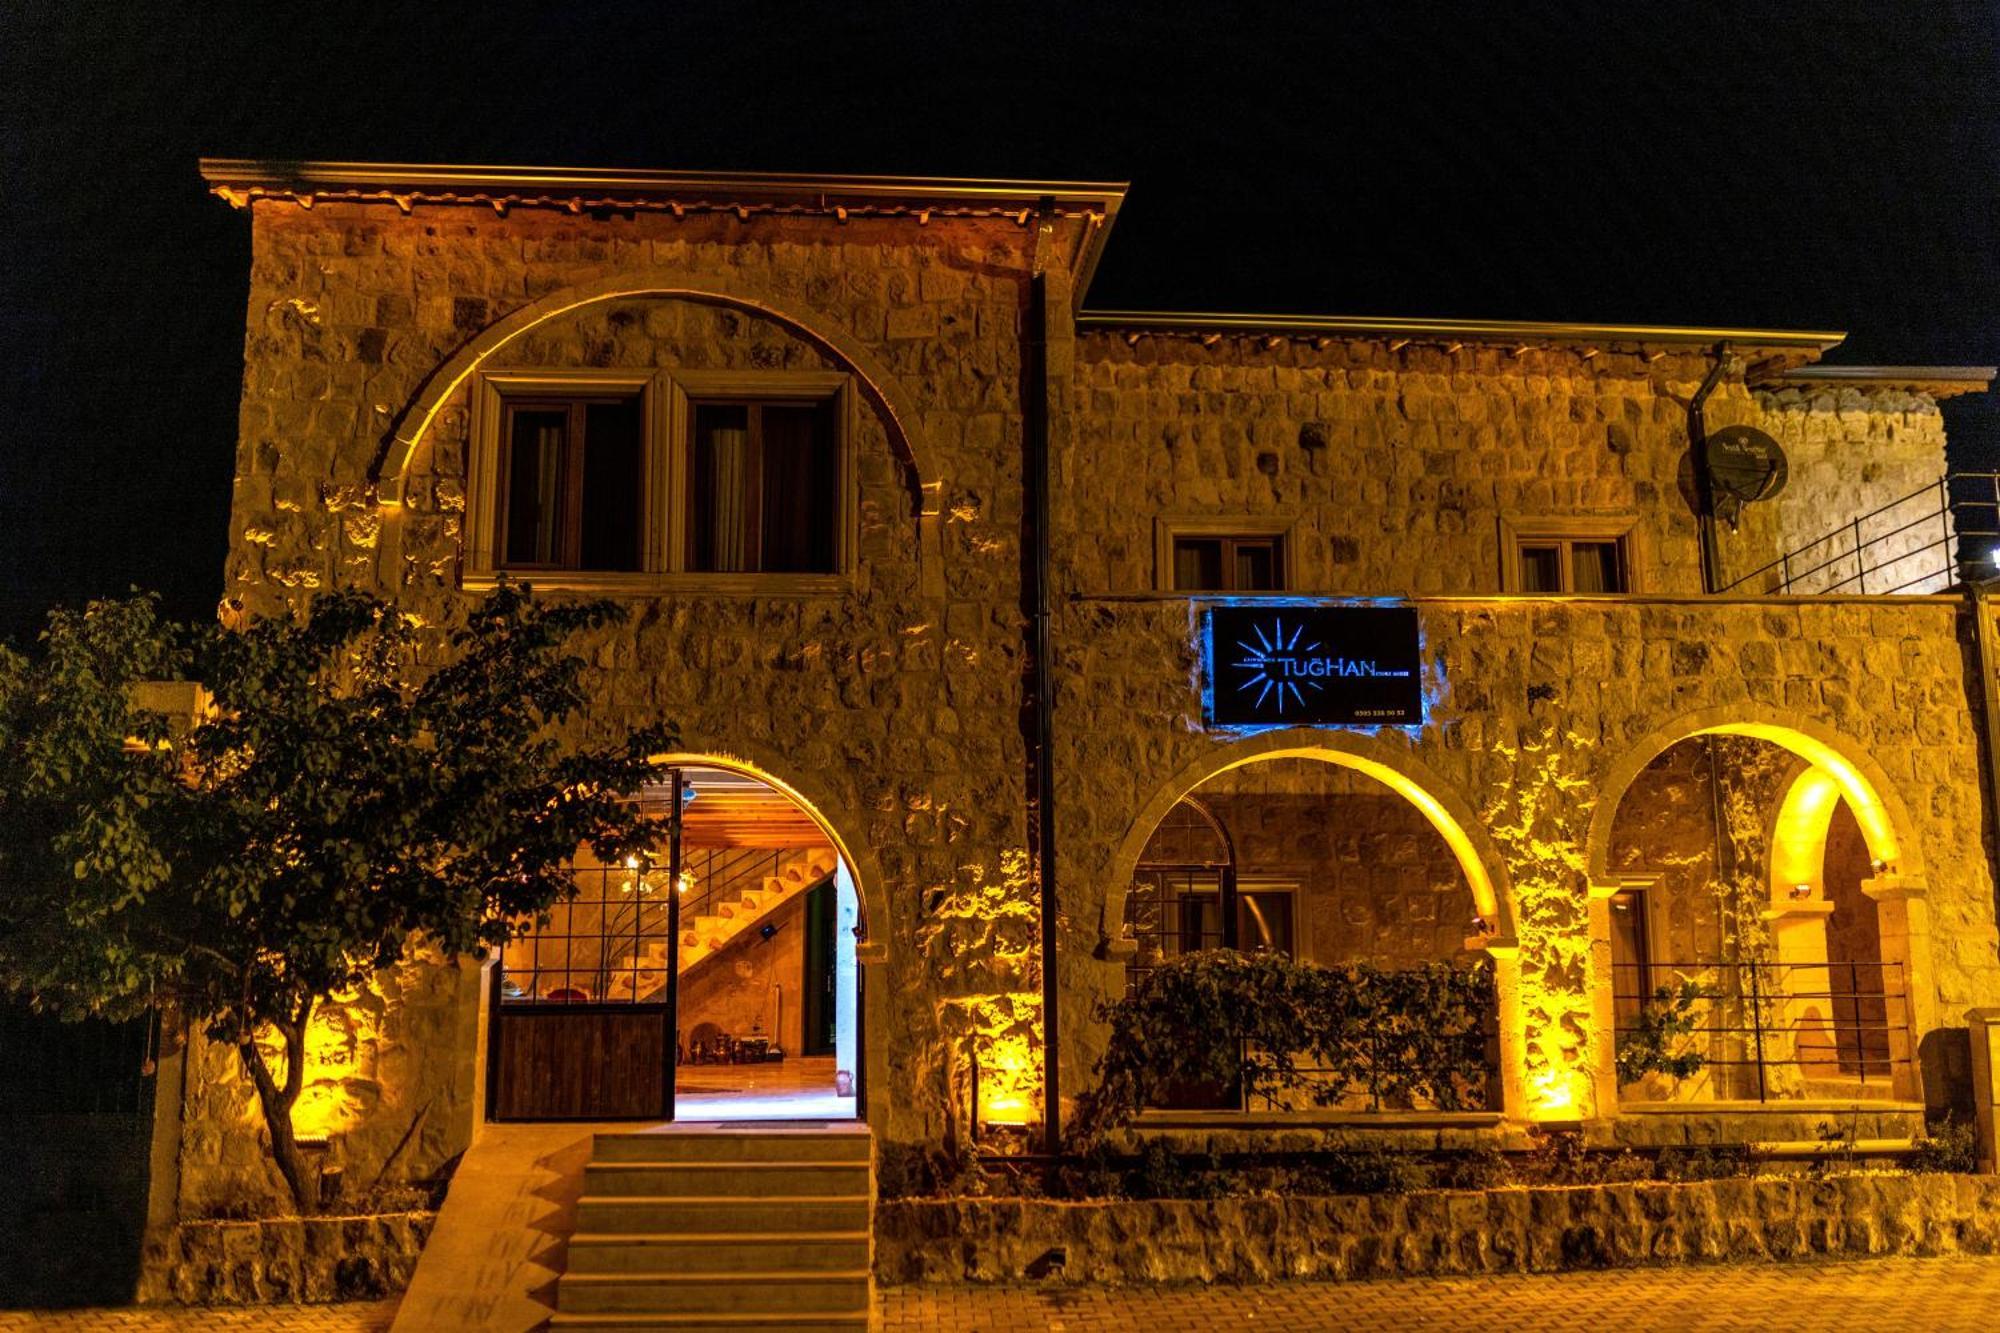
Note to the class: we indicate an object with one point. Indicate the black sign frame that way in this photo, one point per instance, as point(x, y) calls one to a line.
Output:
point(1287, 666)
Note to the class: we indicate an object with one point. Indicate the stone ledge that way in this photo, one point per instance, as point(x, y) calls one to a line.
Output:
point(282, 1260)
point(1443, 1233)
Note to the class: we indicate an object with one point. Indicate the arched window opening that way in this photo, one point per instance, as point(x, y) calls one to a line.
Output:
point(1743, 940)
point(1314, 860)
point(712, 976)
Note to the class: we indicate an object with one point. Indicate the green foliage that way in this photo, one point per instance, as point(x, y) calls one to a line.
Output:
point(1656, 1043)
point(342, 805)
point(1717, 1161)
point(1406, 1038)
point(1952, 1146)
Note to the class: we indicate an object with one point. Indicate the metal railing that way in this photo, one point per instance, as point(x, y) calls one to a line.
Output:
point(1942, 534)
point(1783, 1031)
point(717, 875)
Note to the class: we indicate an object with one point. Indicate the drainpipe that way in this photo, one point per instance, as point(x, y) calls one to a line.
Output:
point(1704, 485)
point(1041, 691)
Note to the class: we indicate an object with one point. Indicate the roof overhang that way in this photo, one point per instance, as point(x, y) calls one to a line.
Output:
point(241, 182)
point(1934, 381)
point(1511, 332)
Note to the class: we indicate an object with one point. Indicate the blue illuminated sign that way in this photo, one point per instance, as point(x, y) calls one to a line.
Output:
point(1314, 666)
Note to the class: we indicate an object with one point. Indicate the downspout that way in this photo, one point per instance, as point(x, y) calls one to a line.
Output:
point(1704, 485)
point(1041, 692)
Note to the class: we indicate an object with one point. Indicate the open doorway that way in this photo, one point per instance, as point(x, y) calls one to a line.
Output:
point(713, 980)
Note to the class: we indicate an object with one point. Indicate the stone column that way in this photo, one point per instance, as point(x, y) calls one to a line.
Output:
point(1985, 1025)
point(1904, 916)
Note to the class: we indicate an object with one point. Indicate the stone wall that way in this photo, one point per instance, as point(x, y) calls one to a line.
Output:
point(1371, 453)
point(892, 707)
point(391, 1109)
point(1351, 1238)
point(732, 989)
point(283, 1261)
point(1532, 709)
point(1373, 882)
point(1849, 454)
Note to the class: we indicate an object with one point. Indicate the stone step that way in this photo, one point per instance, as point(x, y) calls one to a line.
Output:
point(598, 1213)
point(714, 1293)
point(760, 1145)
point(740, 1179)
point(725, 1252)
point(802, 1321)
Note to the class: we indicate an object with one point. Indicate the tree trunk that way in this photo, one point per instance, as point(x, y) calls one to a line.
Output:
point(277, 1104)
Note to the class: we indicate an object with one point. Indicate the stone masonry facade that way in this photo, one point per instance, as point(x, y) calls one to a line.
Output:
point(894, 702)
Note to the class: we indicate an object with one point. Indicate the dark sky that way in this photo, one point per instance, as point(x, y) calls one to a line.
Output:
point(1817, 165)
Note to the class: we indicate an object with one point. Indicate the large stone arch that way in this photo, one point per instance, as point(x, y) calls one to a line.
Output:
point(879, 385)
point(871, 949)
point(1884, 820)
point(1395, 767)
point(1831, 765)
point(872, 939)
point(1401, 771)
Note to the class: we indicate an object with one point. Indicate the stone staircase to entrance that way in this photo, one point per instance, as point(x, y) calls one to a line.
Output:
point(758, 1228)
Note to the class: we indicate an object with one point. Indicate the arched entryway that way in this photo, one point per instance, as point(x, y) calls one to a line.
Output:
point(1763, 871)
point(715, 977)
point(1333, 848)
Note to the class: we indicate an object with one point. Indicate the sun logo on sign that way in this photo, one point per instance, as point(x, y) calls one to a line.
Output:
point(1259, 658)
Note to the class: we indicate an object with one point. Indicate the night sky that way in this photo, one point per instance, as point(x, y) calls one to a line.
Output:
point(1819, 166)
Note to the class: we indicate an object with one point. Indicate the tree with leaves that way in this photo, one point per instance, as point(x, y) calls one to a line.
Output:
point(336, 805)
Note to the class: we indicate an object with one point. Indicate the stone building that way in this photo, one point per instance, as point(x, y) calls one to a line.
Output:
point(925, 556)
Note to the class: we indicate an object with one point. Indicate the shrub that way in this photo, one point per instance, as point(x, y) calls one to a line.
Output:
point(1655, 1044)
point(1952, 1147)
point(1219, 1018)
point(1722, 1161)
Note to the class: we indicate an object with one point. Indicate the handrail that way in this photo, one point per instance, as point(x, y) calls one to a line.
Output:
point(1940, 559)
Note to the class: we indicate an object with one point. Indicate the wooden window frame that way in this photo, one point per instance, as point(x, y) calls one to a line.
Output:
point(1652, 929)
point(667, 400)
point(1564, 530)
point(1168, 530)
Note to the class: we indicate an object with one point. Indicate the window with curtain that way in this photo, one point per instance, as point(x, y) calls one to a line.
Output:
point(1227, 564)
point(573, 472)
point(763, 487)
point(1571, 565)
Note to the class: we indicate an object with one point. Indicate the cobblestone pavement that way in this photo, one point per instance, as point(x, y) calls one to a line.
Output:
point(1914, 1294)
point(361, 1317)
point(1925, 1294)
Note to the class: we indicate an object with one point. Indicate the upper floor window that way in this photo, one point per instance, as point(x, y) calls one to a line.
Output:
point(1211, 555)
point(573, 483)
point(726, 481)
point(1567, 555)
point(762, 486)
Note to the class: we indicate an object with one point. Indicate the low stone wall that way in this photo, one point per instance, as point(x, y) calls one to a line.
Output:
point(282, 1260)
point(1446, 1232)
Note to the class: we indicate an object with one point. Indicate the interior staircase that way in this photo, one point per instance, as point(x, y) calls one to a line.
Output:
point(758, 1228)
point(724, 910)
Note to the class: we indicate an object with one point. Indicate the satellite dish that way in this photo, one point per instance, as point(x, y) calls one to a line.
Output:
point(1744, 465)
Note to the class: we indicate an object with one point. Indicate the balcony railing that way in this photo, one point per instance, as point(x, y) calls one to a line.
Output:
point(1783, 1031)
point(1938, 536)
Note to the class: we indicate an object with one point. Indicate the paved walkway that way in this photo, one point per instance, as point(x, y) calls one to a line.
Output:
point(1927, 1294)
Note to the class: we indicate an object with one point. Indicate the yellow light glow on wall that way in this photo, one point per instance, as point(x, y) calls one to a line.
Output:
point(1009, 1085)
point(1798, 837)
point(1484, 897)
point(1869, 812)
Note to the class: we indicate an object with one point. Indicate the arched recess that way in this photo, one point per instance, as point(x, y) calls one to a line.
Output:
point(1877, 808)
point(1484, 869)
point(1395, 767)
point(1833, 770)
point(878, 384)
point(872, 939)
